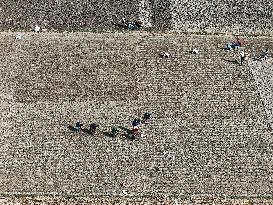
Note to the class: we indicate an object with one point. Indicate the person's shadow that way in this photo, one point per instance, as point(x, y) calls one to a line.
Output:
point(232, 61)
point(128, 131)
point(127, 134)
point(109, 134)
point(87, 131)
point(120, 26)
point(71, 128)
point(84, 130)
point(261, 57)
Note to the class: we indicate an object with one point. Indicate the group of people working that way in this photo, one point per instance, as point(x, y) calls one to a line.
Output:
point(243, 55)
point(135, 123)
point(236, 45)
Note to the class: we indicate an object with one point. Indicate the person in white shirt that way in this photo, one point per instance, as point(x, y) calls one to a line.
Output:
point(242, 57)
point(37, 28)
point(18, 36)
point(194, 51)
point(165, 55)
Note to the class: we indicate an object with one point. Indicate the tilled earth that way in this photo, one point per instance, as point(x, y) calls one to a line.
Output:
point(209, 132)
point(122, 200)
point(200, 15)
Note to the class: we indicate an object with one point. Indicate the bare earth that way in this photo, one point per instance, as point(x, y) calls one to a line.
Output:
point(122, 200)
point(209, 133)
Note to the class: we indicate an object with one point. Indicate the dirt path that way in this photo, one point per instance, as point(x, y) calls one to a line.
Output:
point(263, 74)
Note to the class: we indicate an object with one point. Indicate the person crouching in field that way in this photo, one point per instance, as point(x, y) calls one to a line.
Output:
point(136, 122)
point(237, 43)
point(164, 55)
point(114, 131)
point(135, 131)
point(234, 45)
point(146, 117)
point(264, 54)
point(93, 128)
point(132, 25)
point(78, 126)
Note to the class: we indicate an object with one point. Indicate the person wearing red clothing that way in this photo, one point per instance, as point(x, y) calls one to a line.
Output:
point(135, 132)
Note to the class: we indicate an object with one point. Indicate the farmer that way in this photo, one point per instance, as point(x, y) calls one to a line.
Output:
point(146, 117)
point(237, 43)
point(135, 132)
point(165, 55)
point(194, 51)
point(37, 28)
point(123, 20)
point(136, 122)
point(264, 54)
point(234, 45)
point(242, 57)
point(228, 47)
point(93, 128)
point(18, 36)
point(78, 126)
point(114, 131)
point(133, 25)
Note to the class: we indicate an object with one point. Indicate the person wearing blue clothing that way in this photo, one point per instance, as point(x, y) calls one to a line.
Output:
point(234, 45)
point(237, 44)
point(134, 25)
point(78, 126)
point(136, 122)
